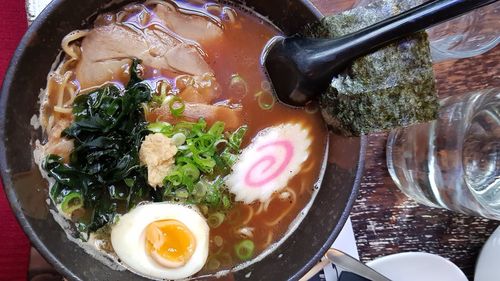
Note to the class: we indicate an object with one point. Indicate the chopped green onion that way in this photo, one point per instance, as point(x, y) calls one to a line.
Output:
point(219, 142)
point(244, 249)
point(202, 144)
point(158, 99)
point(71, 202)
point(167, 99)
point(168, 189)
point(190, 174)
point(176, 106)
point(203, 209)
point(182, 193)
point(162, 89)
point(238, 85)
point(226, 203)
point(213, 264)
point(179, 139)
point(215, 219)
point(161, 127)
point(261, 98)
point(236, 138)
point(199, 127)
point(191, 129)
point(174, 177)
point(200, 164)
point(184, 126)
point(183, 160)
point(200, 189)
point(225, 258)
point(205, 162)
point(217, 129)
point(212, 197)
point(218, 241)
point(228, 157)
point(157, 127)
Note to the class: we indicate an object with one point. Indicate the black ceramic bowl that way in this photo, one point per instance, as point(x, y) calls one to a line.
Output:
point(27, 191)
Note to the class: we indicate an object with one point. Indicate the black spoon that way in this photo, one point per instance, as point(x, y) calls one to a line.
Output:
point(302, 68)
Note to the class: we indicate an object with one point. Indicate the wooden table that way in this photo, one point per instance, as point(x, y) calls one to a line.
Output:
point(385, 221)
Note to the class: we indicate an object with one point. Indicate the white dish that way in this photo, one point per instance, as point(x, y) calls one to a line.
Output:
point(487, 267)
point(413, 266)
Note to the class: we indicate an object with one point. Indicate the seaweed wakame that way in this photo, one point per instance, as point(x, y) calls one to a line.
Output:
point(104, 165)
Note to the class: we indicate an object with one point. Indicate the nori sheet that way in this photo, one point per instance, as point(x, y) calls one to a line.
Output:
point(392, 87)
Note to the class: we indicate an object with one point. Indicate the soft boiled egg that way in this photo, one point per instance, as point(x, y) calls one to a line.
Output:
point(162, 240)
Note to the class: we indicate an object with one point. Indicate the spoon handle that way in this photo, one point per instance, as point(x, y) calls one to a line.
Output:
point(333, 55)
point(353, 265)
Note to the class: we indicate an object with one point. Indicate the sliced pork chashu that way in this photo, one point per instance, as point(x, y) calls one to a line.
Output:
point(189, 26)
point(106, 53)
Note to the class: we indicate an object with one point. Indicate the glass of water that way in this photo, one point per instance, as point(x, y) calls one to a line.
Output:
point(467, 36)
point(454, 161)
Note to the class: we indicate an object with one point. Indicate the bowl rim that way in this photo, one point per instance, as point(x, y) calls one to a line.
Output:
point(16, 206)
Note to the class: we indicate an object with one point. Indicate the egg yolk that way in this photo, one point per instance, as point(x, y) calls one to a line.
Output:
point(170, 243)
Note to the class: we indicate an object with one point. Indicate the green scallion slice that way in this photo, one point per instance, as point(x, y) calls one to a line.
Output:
point(71, 202)
point(217, 129)
point(244, 249)
point(205, 162)
point(179, 139)
point(190, 174)
point(266, 100)
point(161, 127)
point(174, 177)
point(176, 106)
point(238, 85)
point(215, 219)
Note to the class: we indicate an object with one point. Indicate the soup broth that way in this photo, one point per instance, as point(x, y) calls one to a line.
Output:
point(232, 51)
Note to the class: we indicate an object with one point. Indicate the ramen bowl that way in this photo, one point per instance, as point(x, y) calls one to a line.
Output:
point(27, 190)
